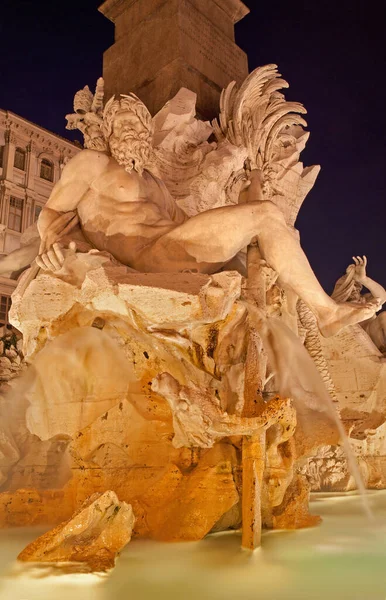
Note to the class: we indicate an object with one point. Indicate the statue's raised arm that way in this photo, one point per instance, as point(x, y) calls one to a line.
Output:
point(348, 288)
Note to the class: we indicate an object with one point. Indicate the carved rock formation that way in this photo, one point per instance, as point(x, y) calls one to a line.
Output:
point(156, 379)
point(98, 319)
point(11, 356)
point(358, 372)
point(95, 534)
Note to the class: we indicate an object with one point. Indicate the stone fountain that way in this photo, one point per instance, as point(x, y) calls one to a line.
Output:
point(159, 400)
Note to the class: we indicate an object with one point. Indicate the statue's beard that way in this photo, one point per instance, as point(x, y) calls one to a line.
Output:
point(132, 153)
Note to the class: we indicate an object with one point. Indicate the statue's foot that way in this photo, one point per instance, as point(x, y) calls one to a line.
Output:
point(346, 313)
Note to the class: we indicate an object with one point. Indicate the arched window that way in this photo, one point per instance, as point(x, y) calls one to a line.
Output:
point(19, 161)
point(47, 170)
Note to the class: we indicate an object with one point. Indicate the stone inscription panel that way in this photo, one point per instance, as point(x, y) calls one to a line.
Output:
point(209, 50)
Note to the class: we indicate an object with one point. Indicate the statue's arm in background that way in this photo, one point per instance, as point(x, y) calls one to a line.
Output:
point(361, 277)
point(12, 264)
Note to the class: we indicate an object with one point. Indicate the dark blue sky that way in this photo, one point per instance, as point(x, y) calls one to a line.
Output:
point(332, 53)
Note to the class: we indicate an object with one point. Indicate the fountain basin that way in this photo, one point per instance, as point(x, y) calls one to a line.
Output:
point(342, 559)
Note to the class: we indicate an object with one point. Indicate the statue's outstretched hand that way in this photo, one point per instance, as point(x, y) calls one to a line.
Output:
point(359, 268)
point(53, 258)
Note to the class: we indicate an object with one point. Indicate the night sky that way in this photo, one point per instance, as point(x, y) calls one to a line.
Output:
point(332, 53)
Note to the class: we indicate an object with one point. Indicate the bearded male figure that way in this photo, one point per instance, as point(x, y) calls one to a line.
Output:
point(125, 210)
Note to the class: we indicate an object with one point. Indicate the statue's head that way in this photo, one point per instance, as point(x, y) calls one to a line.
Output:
point(128, 129)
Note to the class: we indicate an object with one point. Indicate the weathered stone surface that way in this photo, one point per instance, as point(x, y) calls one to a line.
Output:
point(27, 507)
point(328, 470)
point(357, 369)
point(198, 502)
point(95, 534)
point(126, 445)
point(162, 46)
point(9, 452)
point(89, 374)
point(358, 372)
point(11, 356)
point(101, 287)
point(293, 512)
point(182, 325)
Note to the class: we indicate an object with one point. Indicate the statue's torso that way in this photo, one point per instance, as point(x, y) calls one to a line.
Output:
point(123, 212)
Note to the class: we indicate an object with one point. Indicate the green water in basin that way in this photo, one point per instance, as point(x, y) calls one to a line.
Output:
point(342, 559)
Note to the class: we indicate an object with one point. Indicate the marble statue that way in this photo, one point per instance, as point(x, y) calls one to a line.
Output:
point(155, 248)
point(123, 208)
point(126, 210)
point(348, 288)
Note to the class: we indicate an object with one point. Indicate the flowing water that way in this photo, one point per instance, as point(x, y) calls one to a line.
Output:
point(342, 559)
point(297, 377)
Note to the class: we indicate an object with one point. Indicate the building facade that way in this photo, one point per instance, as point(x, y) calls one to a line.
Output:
point(31, 160)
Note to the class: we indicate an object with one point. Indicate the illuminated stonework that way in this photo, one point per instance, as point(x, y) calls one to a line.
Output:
point(31, 160)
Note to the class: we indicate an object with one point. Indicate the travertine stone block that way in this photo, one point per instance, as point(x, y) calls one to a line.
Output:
point(94, 535)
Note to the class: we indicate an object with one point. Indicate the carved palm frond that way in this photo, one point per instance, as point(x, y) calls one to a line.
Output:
point(256, 114)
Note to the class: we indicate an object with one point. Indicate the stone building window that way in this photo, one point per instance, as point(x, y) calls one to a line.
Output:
point(15, 214)
point(1, 155)
point(19, 162)
point(5, 305)
point(47, 170)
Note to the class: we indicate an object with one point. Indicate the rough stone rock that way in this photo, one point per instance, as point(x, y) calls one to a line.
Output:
point(192, 327)
point(88, 375)
point(5, 362)
point(93, 285)
point(6, 374)
point(11, 362)
point(141, 465)
point(95, 534)
point(328, 470)
point(29, 507)
point(199, 500)
point(293, 513)
point(9, 453)
point(358, 371)
point(11, 353)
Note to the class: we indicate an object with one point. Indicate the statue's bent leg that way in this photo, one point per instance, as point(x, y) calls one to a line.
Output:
point(209, 240)
point(204, 243)
point(282, 251)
